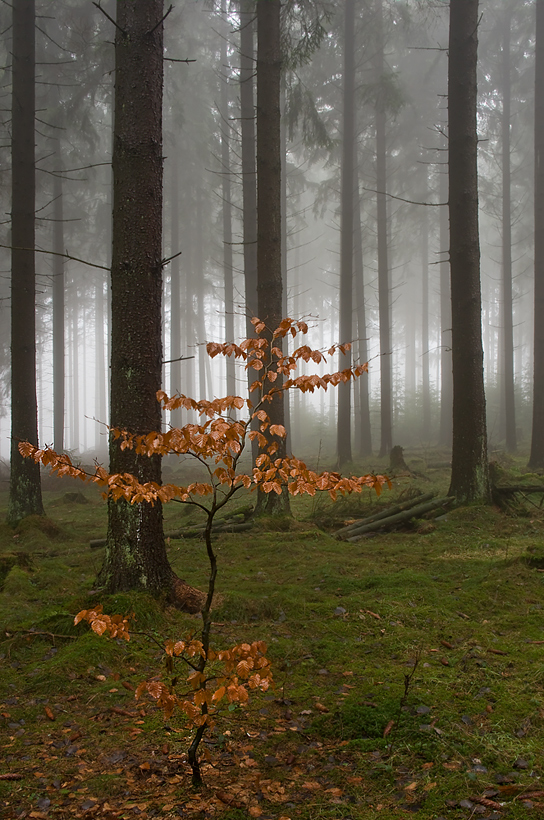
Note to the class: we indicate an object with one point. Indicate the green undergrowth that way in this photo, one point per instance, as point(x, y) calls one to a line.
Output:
point(409, 668)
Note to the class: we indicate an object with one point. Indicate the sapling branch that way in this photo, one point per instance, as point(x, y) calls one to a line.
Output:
point(218, 444)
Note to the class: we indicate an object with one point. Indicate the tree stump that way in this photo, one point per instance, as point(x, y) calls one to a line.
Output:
point(396, 459)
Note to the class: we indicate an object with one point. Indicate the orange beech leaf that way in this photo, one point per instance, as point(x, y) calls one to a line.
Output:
point(219, 694)
point(278, 430)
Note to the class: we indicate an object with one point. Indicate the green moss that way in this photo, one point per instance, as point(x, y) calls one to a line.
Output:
point(18, 583)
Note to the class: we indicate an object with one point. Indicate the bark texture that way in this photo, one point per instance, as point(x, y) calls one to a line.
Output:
point(25, 496)
point(135, 550)
point(269, 278)
point(470, 474)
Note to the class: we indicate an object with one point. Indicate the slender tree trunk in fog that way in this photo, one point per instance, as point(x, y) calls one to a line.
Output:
point(188, 379)
point(446, 379)
point(58, 304)
point(284, 258)
point(135, 549)
point(470, 474)
point(508, 400)
point(269, 281)
point(249, 170)
point(200, 314)
point(386, 397)
point(536, 460)
point(74, 332)
point(227, 211)
point(100, 362)
point(343, 429)
point(25, 494)
point(175, 296)
point(363, 422)
point(425, 367)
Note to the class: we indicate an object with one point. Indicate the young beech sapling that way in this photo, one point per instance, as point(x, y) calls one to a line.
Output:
point(218, 443)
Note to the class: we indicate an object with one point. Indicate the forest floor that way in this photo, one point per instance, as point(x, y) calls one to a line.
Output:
point(408, 668)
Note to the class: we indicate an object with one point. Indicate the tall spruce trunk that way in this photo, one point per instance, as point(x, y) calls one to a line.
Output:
point(249, 172)
point(25, 495)
point(135, 549)
point(363, 422)
point(58, 304)
point(446, 380)
point(425, 365)
point(228, 271)
point(508, 398)
point(536, 460)
point(470, 474)
point(384, 296)
point(269, 278)
point(176, 416)
point(343, 430)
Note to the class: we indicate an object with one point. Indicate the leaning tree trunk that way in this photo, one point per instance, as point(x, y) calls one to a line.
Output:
point(269, 279)
point(470, 475)
point(343, 430)
point(536, 460)
point(25, 494)
point(135, 549)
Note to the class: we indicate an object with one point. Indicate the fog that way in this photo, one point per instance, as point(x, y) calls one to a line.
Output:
point(73, 150)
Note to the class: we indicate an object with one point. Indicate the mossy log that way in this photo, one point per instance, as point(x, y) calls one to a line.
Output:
point(344, 532)
point(393, 521)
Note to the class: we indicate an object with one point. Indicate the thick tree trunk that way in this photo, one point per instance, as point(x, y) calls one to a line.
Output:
point(386, 389)
point(135, 550)
point(25, 495)
point(269, 281)
point(343, 430)
point(508, 401)
point(536, 460)
point(470, 475)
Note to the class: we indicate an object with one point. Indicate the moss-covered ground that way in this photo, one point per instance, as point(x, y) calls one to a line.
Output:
point(408, 666)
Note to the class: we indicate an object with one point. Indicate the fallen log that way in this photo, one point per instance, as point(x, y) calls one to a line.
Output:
point(530, 489)
point(397, 508)
point(400, 518)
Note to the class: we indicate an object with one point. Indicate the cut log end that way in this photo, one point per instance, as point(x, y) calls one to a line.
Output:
point(187, 598)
